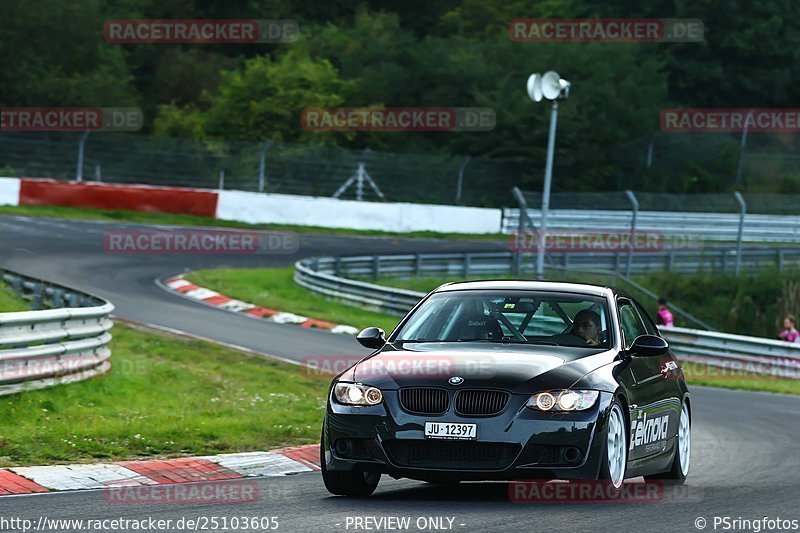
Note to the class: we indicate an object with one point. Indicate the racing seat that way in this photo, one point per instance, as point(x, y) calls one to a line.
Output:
point(478, 326)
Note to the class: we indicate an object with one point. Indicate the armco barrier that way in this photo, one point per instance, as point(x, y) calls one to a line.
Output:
point(705, 226)
point(42, 348)
point(325, 275)
point(736, 352)
point(359, 293)
point(329, 275)
point(718, 259)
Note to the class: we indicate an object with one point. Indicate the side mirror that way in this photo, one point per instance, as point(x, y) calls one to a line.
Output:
point(372, 338)
point(649, 346)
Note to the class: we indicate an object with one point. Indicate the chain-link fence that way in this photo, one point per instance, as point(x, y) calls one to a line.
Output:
point(290, 169)
point(674, 162)
point(666, 162)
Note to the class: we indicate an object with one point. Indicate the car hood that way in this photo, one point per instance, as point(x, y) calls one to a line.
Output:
point(516, 368)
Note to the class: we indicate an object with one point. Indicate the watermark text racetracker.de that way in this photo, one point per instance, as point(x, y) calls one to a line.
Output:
point(128, 31)
point(768, 368)
point(230, 492)
point(606, 30)
point(179, 241)
point(723, 120)
point(640, 241)
point(398, 119)
point(405, 365)
point(71, 119)
point(584, 491)
point(601, 491)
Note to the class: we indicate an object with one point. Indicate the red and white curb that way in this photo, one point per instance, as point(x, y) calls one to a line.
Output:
point(189, 290)
point(32, 479)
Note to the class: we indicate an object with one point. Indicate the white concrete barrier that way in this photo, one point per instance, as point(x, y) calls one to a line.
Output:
point(257, 208)
point(9, 191)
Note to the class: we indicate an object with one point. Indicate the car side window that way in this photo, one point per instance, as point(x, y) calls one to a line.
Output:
point(649, 325)
point(632, 325)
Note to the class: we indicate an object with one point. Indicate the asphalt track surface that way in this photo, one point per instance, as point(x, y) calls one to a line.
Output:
point(745, 453)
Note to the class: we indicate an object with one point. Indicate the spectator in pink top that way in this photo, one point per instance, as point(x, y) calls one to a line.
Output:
point(789, 333)
point(664, 316)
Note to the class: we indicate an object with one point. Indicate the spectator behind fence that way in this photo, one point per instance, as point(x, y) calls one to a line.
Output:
point(664, 317)
point(789, 333)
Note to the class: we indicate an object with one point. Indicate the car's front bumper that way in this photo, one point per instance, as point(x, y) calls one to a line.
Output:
point(518, 443)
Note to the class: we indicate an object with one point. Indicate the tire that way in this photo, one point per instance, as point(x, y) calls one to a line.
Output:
point(683, 452)
point(347, 483)
point(614, 462)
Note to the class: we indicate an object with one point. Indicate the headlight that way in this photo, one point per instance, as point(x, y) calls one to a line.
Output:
point(563, 400)
point(357, 394)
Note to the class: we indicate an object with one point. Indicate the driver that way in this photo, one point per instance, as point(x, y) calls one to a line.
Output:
point(587, 325)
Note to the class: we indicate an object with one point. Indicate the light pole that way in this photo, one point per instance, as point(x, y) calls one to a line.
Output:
point(552, 87)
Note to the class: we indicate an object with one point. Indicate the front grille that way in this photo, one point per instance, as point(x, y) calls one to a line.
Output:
point(550, 455)
point(481, 402)
point(451, 454)
point(427, 401)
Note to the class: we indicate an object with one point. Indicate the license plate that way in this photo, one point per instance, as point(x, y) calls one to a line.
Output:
point(446, 430)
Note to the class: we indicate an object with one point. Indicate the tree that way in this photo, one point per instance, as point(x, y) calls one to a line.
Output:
point(263, 100)
point(54, 55)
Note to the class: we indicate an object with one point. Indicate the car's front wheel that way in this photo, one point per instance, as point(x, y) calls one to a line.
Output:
point(615, 460)
point(347, 483)
point(683, 453)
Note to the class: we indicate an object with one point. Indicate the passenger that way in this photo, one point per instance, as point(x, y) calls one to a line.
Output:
point(789, 333)
point(587, 325)
point(664, 317)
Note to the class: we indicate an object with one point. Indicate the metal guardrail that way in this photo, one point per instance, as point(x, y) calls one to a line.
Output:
point(327, 276)
point(491, 263)
point(331, 276)
point(47, 347)
point(309, 274)
point(736, 353)
point(705, 226)
point(720, 259)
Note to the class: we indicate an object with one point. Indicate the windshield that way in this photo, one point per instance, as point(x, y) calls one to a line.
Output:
point(573, 320)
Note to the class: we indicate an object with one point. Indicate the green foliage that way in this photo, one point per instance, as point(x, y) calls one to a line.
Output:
point(54, 55)
point(412, 53)
point(261, 101)
point(11, 301)
point(745, 306)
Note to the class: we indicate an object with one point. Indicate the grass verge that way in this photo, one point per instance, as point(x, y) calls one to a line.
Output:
point(10, 301)
point(275, 288)
point(190, 220)
point(165, 396)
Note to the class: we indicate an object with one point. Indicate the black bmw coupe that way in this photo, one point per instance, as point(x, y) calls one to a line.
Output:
point(505, 380)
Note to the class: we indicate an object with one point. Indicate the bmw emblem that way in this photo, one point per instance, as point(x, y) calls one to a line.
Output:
point(456, 380)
